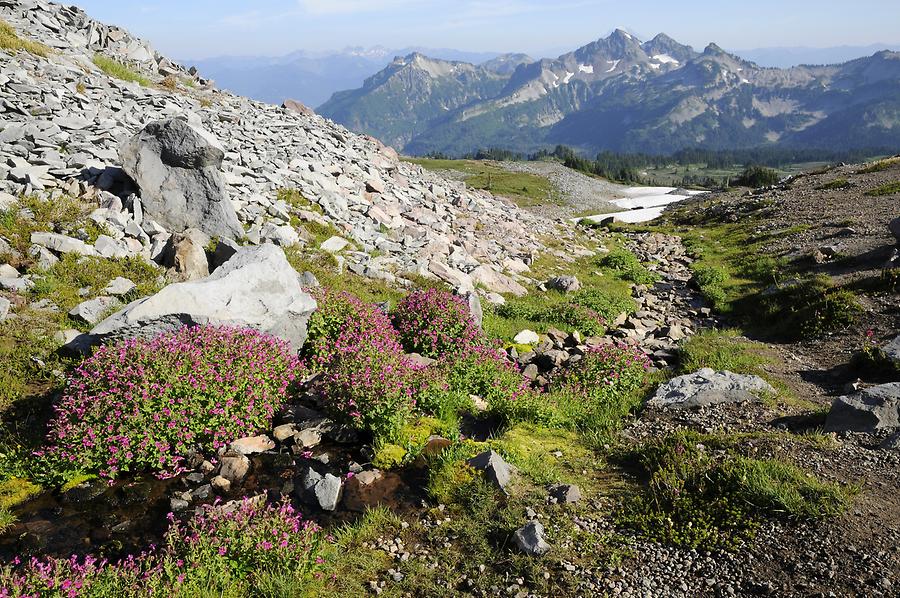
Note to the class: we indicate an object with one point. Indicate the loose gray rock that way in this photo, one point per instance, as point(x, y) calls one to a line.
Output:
point(92, 311)
point(565, 493)
point(495, 469)
point(257, 288)
point(527, 337)
point(62, 243)
point(892, 351)
point(894, 227)
point(708, 387)
point(566, 284)
point(4, 308)
point(871, 409)
point(328, 492)
point(177, 166)
point(119, 286)
point(530, 539)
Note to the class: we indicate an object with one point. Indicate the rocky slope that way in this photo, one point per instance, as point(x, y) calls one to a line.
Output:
point(64, 119)
point(622, 94)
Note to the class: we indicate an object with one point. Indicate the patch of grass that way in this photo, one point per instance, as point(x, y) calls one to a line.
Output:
point(169, 82)
point(27, 355)
point(886, 189)
point(805, 308)
point(701, 492)
point(879, 165)
point(32, 214)
point(324, 266)
point(295, 199)
point(604, 293)
point(117, 70)
point(10, 41)
point(726, 350)
point(62, 281)
point(628, 267)
point(525, 189)
point(721, 350)
point(835, 184)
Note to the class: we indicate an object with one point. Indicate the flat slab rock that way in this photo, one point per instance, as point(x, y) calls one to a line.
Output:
point(708, 387)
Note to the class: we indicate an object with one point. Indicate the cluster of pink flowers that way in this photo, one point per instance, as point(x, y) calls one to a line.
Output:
point(251, 538)
point(145, 404)
point(365, 376)
point(435, 323)
point(609, 368)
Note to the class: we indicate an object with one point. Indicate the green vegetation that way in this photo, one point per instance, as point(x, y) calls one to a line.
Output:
point(879, 165)
point(628, 267)
point(835, 184)
point(886, 189)
point(10, 41)
point(33, 214)
point(62, 282)
point(117, 70)
point(806, 308)
point(523, 188)
point(757, 176)
point(702, 492)
point(605, 294)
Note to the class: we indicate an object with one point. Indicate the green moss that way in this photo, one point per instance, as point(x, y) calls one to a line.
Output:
point(10, 41)
point(28, 355)
point(15, 491)
point(117, 70)
point(533, 450)
point(389, 456)
point(76, 481)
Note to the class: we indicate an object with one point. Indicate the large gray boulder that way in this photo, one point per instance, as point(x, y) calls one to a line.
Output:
point(178, 169)
point(257, 288)
point(892, 351)
point(871, 409)
point(709, 387)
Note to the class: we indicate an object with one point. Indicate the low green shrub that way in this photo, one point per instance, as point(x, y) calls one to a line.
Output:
point(710, 280)
point(628, 267)
point(702, 494)
point(806, 308)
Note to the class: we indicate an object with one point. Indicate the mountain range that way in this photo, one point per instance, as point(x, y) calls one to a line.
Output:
point(620, 93)
point(311, 77)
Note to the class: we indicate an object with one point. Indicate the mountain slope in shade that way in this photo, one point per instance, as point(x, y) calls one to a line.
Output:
point(620, 93)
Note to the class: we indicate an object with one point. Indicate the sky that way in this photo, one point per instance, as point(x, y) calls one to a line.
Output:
point(203, 28)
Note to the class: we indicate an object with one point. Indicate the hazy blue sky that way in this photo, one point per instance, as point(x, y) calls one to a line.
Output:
point(203, 28)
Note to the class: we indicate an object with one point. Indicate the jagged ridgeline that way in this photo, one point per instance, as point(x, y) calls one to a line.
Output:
point(625, 95)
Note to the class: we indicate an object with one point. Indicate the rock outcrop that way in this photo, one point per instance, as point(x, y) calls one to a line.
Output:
point(256, 288)
point(177, 167)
